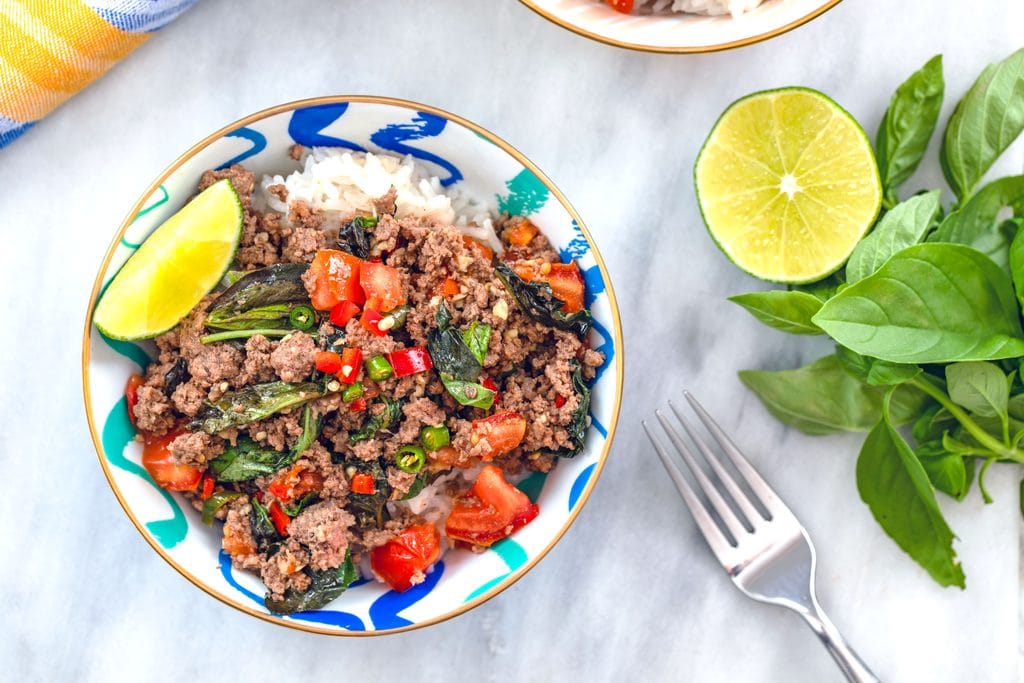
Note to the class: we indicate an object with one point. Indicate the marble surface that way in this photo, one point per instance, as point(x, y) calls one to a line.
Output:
point(631, 593)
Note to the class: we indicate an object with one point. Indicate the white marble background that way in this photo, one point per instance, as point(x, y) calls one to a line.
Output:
point(631, 593)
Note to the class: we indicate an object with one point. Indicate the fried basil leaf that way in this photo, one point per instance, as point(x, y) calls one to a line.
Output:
point(252, 403)
point(540, 303)
point(177, 375)
point(324, 587)
point(371, 509)
point(261, 297)
point(468, 393)
point(385, 420)
point(263, 531)
point(578, 427)
point(247, 460)
point(450, 352)
point(478, 338)
point(355, 237)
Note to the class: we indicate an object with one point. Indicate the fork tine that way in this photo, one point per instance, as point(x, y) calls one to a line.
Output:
point(718, 541)
point(725, 513)
point(741, 499)
point(757, 484)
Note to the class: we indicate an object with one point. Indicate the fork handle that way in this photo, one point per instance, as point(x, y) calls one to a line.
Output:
point(850, 663)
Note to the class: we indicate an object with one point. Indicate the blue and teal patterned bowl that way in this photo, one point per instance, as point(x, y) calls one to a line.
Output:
point(462, 154)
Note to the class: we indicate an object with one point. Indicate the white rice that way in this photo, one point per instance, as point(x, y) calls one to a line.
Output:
point(343, 184)
point(709, 7)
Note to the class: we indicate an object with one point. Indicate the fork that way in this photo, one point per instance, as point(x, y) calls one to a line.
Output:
point(757, 539)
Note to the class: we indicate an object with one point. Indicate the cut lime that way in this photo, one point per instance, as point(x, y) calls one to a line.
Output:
point(787, 184)
point(174, 268)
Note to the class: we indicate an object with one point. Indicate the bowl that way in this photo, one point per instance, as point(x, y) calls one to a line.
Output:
point(459, 152)
point(675, 32)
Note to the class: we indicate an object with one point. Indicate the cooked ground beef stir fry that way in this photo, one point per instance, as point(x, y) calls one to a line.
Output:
point(358, 364)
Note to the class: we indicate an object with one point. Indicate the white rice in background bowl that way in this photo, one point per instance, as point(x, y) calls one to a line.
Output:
point(343, 183)
point(708, 7)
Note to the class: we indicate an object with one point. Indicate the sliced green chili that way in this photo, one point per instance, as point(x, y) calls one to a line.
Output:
point(435, 438)
point(352, 392)
point(397, 316)
point(410, 458)
point(378, 368)
point(302, 318)
point(215, 502)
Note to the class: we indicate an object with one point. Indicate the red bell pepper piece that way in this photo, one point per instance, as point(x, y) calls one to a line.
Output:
point(343, 312)
point(410, 361)
point(371, 321)
point(363, 483)
point(559, 401)
point(207, 487)
point(358, 405)
point(351, 364)
point(279, 517)
point(327, 361)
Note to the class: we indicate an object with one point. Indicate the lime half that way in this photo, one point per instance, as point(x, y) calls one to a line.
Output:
point(787, 184)
point(174, 268)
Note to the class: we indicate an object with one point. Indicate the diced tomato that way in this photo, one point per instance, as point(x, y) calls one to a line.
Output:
point(131, 395)
point(162, 466)
point(481, 249)
point(343, 312)
point(624, 6)
point(358, 405)
point(450, 287)
point(370, 320)
point(410, 361)
point(295, 483)
point(520, 234)
point(208, 485)
point(382, 285)
point(566, 282)
point(236, 545)
point(399, 561)
point(501, 432)
point(363, 483)
point(350, 365)
point(327, 361)
point(559, 400)
point(491, 510)
point(279, 517)
point(335, 278)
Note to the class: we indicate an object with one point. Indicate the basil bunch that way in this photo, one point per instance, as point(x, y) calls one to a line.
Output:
point(926, 316)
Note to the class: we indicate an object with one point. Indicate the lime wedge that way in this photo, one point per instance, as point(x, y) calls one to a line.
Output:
point(174, 268)
point(787, 184)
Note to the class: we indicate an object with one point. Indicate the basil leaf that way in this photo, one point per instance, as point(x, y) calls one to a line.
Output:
point(903, 226)
point(909, 310)
point(478, 337)
point(985, 122)
point(450, 352)
point(259, 296)
point(246, 460)
point(1016, 258)
point(370, 509)
point(896, 488)
point(385, 420)
point(979, 387)
point(468, 393)
point(252, 403)
point(301, 504)
point(537, 300)
point(264, 317)
point(355, 237)
point(579, 424)
point(908, 124)
point(822, 398)
point(310, 431)
point(215, 502)
point(883, 373)
point(325, 586)
point(948, 472)
point(263, 531)
point(824, 289)
point(977, 223)
point(418, 484)
point(789, 311)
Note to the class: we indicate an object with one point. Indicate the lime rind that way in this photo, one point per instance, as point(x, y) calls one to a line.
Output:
point(851, 238)
point(134, 306)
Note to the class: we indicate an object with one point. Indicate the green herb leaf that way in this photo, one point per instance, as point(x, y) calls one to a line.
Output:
point(823, 398)
point(824, 289)
point(908, 124)
point(325, 587)
point(246, 460)
point(385, 420)
point(884, 373)
point(978, 223)
point(979, 387)
point(468, 393)
point(790, 311)
point(263, 296)
point(1016, 258)
point(908, 311)
point(215, 502)
point(301, 504)
point(903, 226)
point(577, 427)
point(985, 122)
point(355, 237)
point(895, 486)
point(948, 472)
point(538, 301)
point(417, 486)
point(310, 431)
point(478, 337)
point(450, 352)
point(370, 509)
point(263, 531)
point(252, 403)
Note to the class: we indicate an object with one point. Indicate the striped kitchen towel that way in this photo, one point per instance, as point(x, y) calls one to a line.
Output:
point(51, 49)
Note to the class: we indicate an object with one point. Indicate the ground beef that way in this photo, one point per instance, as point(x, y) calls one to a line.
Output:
point(279, 191)
point(257, 367)
point(335, 483)
point(306, 234)
point(188, 398)
point(419, 413)
point(294, 357)
point(242, 180)
point(283, 570)
point(238, 540)
point(324, 529)
point(196, 448)
point(358, 336)
point(260, 244)
point(295, 151)
point(385, 205)
point(399, 481)
point(153, 412)
point(279, 431)
point(370, 449)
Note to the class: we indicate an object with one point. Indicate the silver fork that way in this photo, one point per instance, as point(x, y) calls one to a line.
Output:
point(766, 552)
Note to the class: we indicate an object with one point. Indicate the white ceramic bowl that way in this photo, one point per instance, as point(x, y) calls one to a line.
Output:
point(675, 32)
point(460, 153)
